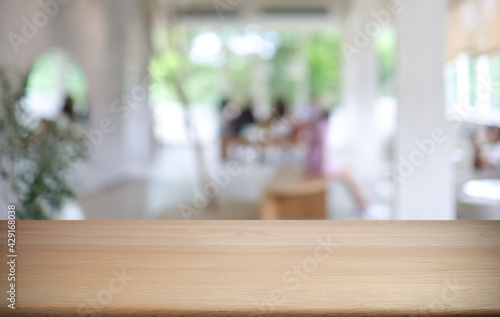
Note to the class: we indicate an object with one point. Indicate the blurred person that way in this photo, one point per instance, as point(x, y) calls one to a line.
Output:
point(70, 124)
point(67, 114)
point(233, 120)
point(229, 111)
point(233, 124)
point(245, 118)
point(280, 108)
point(63, 120)
point(315, 131)
point(279, 123)
point(487, 152)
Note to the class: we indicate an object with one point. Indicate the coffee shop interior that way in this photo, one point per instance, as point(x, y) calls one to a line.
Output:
point(245, 110)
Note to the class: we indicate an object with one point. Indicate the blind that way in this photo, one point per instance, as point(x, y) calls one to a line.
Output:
point(473, 26)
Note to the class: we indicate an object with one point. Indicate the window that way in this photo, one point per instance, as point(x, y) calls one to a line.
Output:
point(473, 88)
point(53, 77)
point(495, 81)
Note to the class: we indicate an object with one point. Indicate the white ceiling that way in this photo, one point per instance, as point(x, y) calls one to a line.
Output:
point(277, 13)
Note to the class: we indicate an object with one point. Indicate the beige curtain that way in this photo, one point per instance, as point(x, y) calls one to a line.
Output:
point(473, 26)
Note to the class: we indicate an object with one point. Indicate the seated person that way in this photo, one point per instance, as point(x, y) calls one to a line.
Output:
point(245, 118)
point(229, 111)
point(487, 152)
point(280, 108)
point(315, 130)
point(233, 120)
point(233, 123)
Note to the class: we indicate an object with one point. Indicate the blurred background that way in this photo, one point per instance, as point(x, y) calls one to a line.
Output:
point(237, 109)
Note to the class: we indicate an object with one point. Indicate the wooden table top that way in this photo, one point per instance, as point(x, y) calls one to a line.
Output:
point(252, 268)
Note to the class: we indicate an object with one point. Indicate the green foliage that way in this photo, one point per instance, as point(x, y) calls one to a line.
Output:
point(282, 85)
point(199, 81)
point(34, 161)
point(385, 44)
point(240, 73)
point(322, 53)
point(174, 70)
point(324, 58)
point(165, 68)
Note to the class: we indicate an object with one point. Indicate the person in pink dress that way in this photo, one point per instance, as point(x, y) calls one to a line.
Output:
point(314, 130)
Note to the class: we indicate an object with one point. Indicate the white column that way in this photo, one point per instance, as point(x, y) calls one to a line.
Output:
point(137, 132)
point(104, 66)
point(423, 170)
point(260, 88)
point(360, 89)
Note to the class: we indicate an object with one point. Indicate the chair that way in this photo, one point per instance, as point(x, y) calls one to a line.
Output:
point(293, 195)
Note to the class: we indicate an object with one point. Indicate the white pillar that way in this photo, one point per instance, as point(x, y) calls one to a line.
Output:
point(424, 187)
point(260, 89)
point(137, 132)
point(360, 89)
point(104, 66)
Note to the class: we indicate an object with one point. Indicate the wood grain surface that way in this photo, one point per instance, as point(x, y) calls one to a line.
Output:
point(254, 268)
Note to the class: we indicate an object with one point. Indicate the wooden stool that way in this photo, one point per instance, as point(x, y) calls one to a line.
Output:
point(291, 195)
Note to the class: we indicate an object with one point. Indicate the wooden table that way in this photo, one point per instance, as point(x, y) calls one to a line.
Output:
point(252, 268)
point(229, 140)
